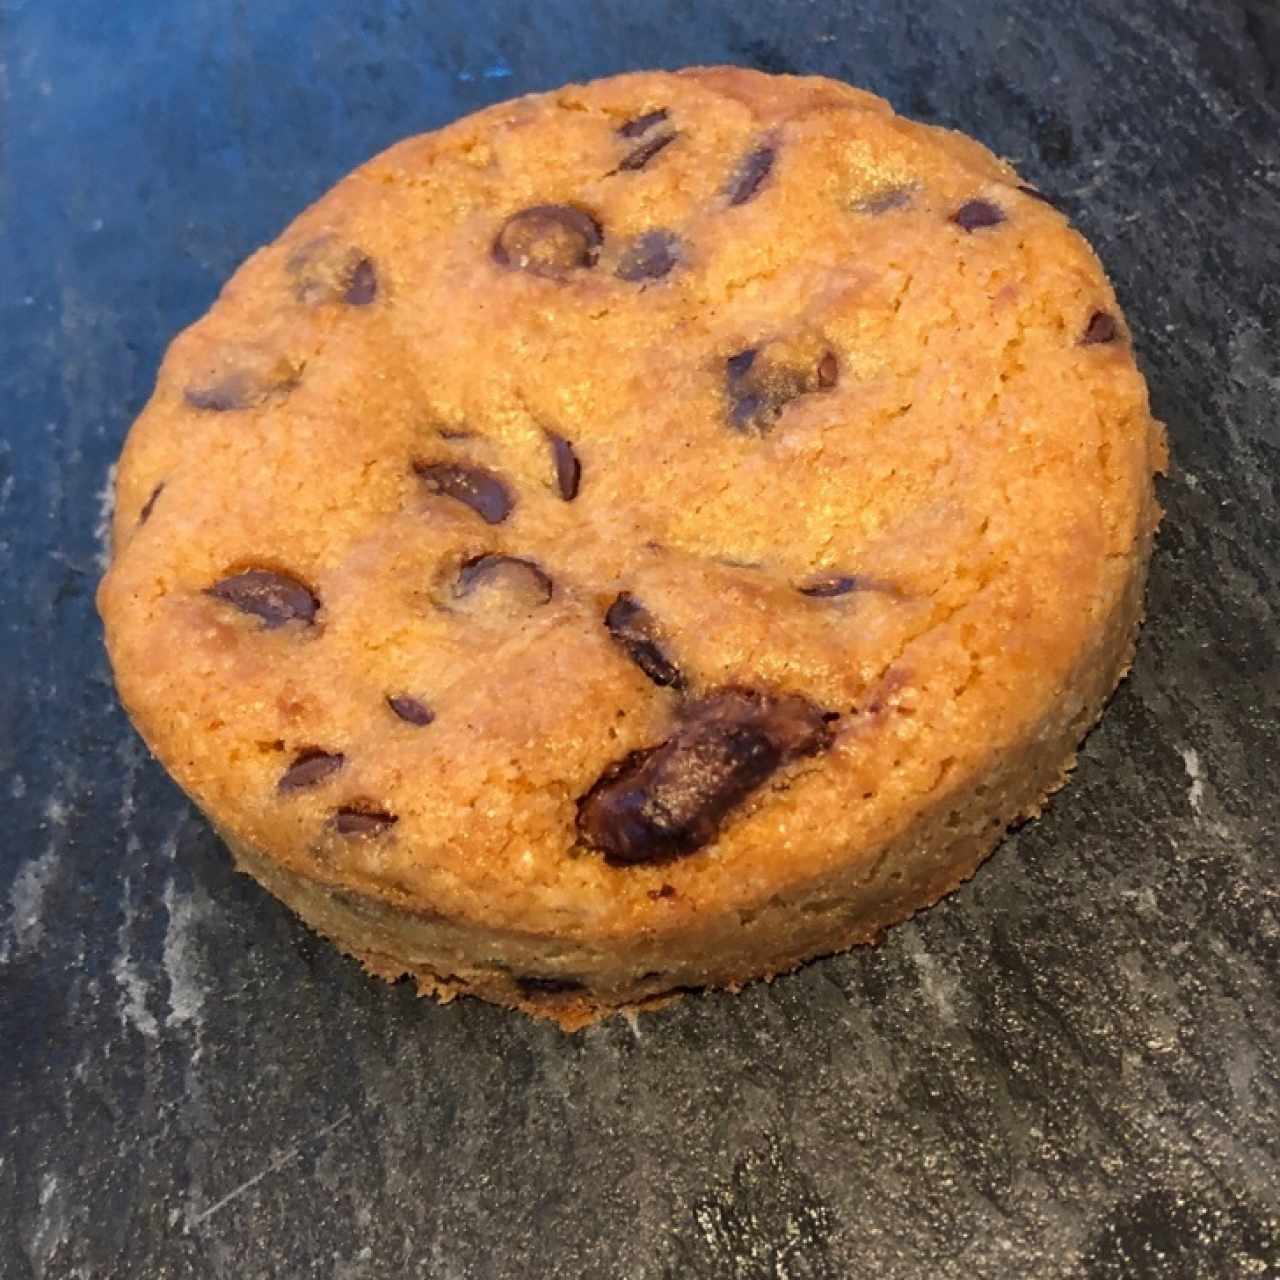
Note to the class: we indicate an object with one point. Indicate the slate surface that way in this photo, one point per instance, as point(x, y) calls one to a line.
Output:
point(1072, 1068)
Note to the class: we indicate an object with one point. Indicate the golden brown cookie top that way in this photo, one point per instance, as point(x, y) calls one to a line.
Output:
point(667, 483)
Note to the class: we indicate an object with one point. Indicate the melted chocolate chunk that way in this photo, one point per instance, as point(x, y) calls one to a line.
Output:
point(884, 201)
point(1102, 327)
point(243, 377)
point(632, 626)
point(362, 287)
point(824, 588)
point(275, 598)
point(147, 507)
point(641, 155)
point(751, 172)
point(326, 270)
point(568, 468)
point(309, 768)
point(650, 256)
point(672, 799)
point(975, 214)
point(760, 383)
point(357, 820)
point(642, 124)
point(548, 240)
point(410, 709)
point(474, 487)
point(522, 578)
point(534, 986)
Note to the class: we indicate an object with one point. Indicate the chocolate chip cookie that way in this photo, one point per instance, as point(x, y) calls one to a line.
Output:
point(641, 536)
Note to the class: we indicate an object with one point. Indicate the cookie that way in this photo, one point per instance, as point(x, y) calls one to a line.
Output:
point(639, 537)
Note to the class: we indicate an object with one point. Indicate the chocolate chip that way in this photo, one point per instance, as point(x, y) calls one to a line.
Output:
point(548, 240)
point(975, 214)
point(1102, 327)
point(568, 468)
point(638, 158)
point(751, 172)
point(761, 382)
point(672, 799)
point(649, 256)
point(309, 768)
point(362, 287)
point(522, 577)
point(474, 487)
point(356, 820)
point(147, 507)
point(824, 588)
point(274, 597)
point(533, 986)
point(1037, 195)
point(642, 124)
point(884, 201)
point(632, 626)
point(410, 709)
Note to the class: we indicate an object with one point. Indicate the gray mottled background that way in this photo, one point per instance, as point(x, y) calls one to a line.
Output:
point(1070, 1069)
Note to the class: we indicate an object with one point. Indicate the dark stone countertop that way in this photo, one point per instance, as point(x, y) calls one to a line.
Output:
point(1069, 1069)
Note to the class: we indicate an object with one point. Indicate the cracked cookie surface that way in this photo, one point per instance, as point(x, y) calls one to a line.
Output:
point(636, 537)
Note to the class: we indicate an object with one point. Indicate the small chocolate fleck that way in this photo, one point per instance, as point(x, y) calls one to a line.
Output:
point(641, 155)
point(275, 598)
point(147, 507)
point(828, 371)
point(535, 986)
point(662, 891)
point(356, 820)
point(642, 124)
point(975, 214)
point(484, 570)
point(672, 799)
point(1102, 327)
point(362, 287)
point(309, 768)
point(474, 487)
point(632, 626)
point(824, 588)
point(548, 240)
point(884, 201)
point(410, 709)
point(232, 391)
point(753, 169)
point(650, 256)
point(568, 468)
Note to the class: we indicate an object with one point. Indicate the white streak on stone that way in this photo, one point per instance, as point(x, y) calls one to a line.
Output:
point(50, 1230)
point(106, 509)
point(133, 986)
point(1195, 793)
point(186, 988)
point(26, 905)
point(938, 987)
